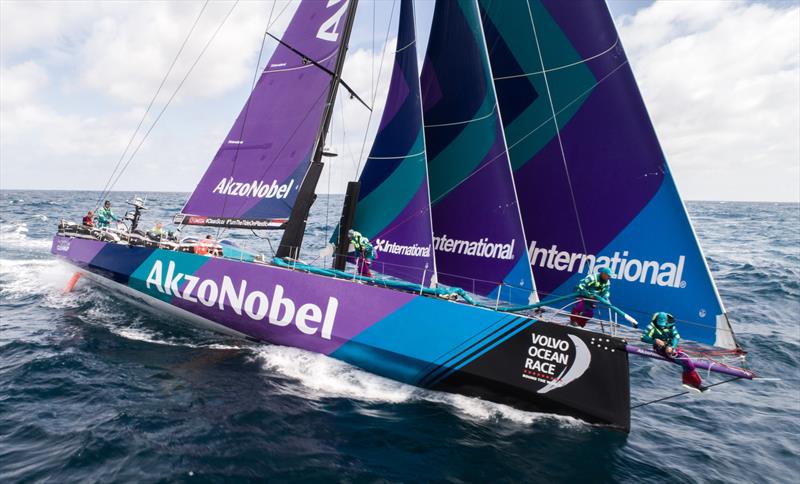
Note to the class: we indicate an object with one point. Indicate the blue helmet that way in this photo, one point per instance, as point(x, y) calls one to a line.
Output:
point(604, 270)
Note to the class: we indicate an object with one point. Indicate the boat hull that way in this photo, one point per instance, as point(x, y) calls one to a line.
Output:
point(420, 340)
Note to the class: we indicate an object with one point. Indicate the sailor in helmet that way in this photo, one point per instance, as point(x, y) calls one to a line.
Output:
point(664, 337)
point(590, 287)
point(364, 252)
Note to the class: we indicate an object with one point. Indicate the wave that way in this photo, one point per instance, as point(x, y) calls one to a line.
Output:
point(323, 377)
point(153, 337)
point(24, 279)
point(16, 236)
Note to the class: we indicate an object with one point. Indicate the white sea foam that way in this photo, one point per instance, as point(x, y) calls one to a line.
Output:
point(16, 236)
point(139, 333)
point(323, 377)
point(45, 278)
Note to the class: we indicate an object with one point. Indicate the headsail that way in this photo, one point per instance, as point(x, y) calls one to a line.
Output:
point(254, 177)
point(581, 142)
point(479, 238)
point(394, 204)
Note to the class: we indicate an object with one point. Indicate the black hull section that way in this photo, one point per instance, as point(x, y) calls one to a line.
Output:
point(521, 372)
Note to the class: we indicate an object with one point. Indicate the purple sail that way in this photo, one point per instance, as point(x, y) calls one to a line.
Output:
point(394, 205)
point(256, 173)
point(594, 186)
point(479, 240)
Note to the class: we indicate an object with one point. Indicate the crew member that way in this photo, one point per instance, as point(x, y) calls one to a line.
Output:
point(590, 287)
point(365, 252)
point(88, 219)
point(157, 232)
point(206, 246)
point(158, 229)
point(663, 335)
point(105, 215)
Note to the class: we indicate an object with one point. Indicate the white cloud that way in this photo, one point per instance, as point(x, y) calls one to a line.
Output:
point(20, 83)
point(127, 53)
point(721, 80)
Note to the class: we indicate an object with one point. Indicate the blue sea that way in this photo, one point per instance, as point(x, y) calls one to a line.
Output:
point(94, 390)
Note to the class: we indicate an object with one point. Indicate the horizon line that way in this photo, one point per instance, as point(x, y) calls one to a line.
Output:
point(795, 202)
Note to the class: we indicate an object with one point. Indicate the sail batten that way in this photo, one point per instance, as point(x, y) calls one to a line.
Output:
point(255, 177)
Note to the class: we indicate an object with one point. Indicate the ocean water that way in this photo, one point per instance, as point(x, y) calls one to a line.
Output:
point(94, 390)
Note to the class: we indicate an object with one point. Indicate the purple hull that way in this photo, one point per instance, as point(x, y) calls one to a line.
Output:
point(424, 341)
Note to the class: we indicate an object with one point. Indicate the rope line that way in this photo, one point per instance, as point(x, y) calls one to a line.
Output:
point(684, 393)
point(240, 138)
point(375, 92)
point(558, 132)
point(104, 192)
point(175, 92)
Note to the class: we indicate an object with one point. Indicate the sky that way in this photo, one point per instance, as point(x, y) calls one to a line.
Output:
point(721, 80)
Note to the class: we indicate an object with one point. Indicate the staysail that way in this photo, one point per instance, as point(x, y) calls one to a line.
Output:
point(581, 142)
point(394, 205)
point(254, 178)
point(478, 235)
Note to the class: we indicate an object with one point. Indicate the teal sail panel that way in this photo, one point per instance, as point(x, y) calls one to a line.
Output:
point(581, 142)
point(394, 205)
point(478, 235)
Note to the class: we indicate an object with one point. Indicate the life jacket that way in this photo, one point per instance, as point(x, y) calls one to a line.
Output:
point(661, 328)
point(594, 284)
point(203, 247)
point(362, 245)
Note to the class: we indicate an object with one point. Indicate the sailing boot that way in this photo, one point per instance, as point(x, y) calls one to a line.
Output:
point(692, 379)
point(576, 318)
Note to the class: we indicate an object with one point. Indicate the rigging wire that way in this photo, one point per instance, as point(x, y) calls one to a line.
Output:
point(174, 93)
point(375, 91)
point(106, 189)
point(220, 230)
point(684, 393)
point(558, 131)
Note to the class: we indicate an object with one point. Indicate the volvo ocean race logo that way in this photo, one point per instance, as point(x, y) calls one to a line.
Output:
point(481, 248)
point(256, 188)
point(279, 309)
point(623, 267)
point(552, 361)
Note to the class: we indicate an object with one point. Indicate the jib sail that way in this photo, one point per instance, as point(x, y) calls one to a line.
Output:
point(478, 235)
point(598, 188)
point(254, 178)
point(394, 205)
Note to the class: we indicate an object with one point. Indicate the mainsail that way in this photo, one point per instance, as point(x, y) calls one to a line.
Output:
point(598, 188)
point(394, 204)
point(254, 178)
point(479, 240)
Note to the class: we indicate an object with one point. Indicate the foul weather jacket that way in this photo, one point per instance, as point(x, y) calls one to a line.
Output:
point(105, 217)
point(593, 285)
point(661, 328)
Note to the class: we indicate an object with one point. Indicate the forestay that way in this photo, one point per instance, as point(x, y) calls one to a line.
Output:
point(598, 188)
point(479, 240)
point(255, 176)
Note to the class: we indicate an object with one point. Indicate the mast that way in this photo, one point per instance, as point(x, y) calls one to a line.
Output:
point(296, 225)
